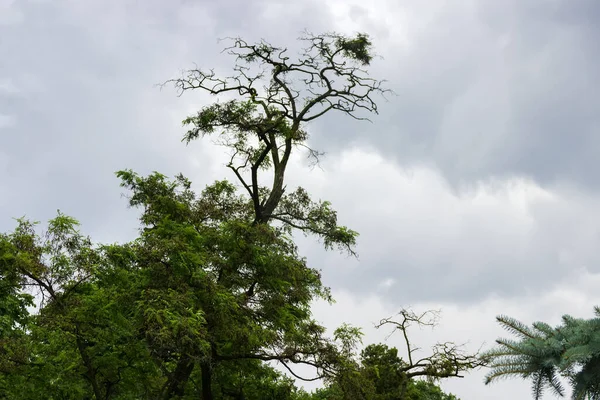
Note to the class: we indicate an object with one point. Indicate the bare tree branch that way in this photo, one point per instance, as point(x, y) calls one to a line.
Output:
point(276, 96)
point(447, 359)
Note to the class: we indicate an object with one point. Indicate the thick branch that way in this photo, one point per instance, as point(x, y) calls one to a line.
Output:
point(294, 356)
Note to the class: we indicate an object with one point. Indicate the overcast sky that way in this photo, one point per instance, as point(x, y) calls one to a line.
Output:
point(476, 190)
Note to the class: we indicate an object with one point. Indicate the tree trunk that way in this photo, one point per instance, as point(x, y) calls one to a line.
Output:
point(206, 381)
point(90, 371)
point(177, 381)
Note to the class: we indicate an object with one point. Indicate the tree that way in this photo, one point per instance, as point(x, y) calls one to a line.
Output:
point(261, 128)
point(173, 314)
point(544, 354)
point(276, 99)
point(380, 374)
point(269, 295)
point(213, 287)
point(447, 359)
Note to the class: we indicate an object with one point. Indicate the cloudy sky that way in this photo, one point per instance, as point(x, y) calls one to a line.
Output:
point(476, 190)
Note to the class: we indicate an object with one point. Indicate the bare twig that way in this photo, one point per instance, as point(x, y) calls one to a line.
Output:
point(447, 359)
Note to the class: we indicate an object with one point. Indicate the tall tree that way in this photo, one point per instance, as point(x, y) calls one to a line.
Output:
point(276, 97)
point(544, 354)
point(214, 286)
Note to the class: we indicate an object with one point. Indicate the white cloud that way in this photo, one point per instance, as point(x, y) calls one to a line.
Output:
point(484, 88)
point(8, 87)
point(500, 236)
point(7, 121)
point(9, 14)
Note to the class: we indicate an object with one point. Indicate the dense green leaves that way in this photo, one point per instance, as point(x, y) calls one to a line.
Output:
point(379, 374)
point(76, 343)
point(200, 286)
point(194, 306)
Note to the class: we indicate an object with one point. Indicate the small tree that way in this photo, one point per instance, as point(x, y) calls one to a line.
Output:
point(380, 374)
point(447, 359)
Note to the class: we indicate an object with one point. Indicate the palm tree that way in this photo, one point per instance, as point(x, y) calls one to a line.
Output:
point(543, 354)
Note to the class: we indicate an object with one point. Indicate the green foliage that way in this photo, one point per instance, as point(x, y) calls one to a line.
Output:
point(543, 354)
point(379, 374)
point(202, 285)
point(80, 339)
point(423, 390)
point(358, 48)
point(383, 367)
point(298, 211)
point(236, 290)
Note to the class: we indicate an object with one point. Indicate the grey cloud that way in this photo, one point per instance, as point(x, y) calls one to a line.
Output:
point(485, 91)
point(495, 89)
point(422, 241)
point(78, 86)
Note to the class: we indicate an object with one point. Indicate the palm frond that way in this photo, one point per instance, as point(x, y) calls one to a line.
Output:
point(516, 327)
